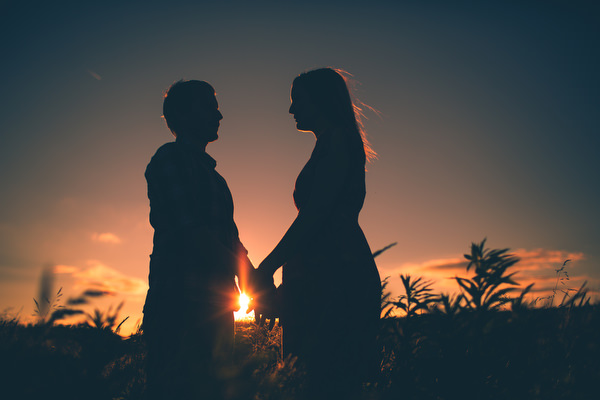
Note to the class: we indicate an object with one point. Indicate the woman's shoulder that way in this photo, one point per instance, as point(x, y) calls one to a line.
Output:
point(344, 143)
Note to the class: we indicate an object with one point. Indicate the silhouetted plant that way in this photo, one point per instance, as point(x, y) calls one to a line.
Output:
point(519, 303)
point(449, 305)
point(48, 308)
point(579, 299)
point(9, 319)
point(386, 248)
point(483, 291)
point(63, 313)
point(417, 295)
point(561, 276)
point(46, 303)
point(265, 338)
point(106, 320)
point(535, 353)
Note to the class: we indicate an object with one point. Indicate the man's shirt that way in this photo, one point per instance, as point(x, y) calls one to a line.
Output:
point(186, 194)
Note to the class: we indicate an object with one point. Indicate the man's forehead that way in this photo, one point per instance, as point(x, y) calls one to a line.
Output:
point(205, 98)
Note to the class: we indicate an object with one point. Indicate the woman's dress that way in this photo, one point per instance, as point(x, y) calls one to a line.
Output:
point(332, 290)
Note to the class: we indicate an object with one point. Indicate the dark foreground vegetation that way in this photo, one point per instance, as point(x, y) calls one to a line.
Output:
point(481, 344)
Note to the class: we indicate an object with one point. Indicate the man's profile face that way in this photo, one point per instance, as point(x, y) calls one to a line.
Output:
point(202, 119)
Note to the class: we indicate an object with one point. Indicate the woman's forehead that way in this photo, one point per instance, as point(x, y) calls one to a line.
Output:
point(298, 91)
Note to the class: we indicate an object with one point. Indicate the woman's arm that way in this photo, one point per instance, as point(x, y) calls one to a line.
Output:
point(330, 176)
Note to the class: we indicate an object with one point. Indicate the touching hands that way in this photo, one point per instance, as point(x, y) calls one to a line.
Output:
point(265, 302)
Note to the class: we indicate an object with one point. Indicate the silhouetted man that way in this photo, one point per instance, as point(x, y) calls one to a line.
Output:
point(188, 315)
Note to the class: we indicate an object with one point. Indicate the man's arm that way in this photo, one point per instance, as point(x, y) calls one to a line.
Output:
point(172, 197)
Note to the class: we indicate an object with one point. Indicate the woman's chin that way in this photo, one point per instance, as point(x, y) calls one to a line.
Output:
point(302, 128)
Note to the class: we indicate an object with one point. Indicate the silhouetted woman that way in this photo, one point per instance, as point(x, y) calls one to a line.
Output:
point(331, 288)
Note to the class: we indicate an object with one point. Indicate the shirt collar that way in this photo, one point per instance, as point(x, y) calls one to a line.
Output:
point(194, 151)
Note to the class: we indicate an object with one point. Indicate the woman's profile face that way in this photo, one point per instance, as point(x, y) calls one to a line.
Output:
point(303, 109)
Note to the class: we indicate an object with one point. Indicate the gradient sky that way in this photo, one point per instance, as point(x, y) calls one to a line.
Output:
point(489, 128)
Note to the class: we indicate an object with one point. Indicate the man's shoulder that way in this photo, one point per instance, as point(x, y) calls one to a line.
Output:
point(166, 155)
point(166, 150)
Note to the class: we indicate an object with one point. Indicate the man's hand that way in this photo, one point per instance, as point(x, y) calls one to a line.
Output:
point(265, 302)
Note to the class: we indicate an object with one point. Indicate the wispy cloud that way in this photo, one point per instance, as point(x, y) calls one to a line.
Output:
point(447, 265)
point(65, 269)
point(106, 237)
point(99, 278)
point(537, 266)
point(94, 75)
point(530, 260)
point(543, 259)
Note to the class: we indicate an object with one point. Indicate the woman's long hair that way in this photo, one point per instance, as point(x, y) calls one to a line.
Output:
point(328, 90)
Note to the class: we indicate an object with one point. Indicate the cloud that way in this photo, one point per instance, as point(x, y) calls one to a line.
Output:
point(538, 266)
point(95, 293)
point(98, 278)
point(444, 264)
point(65, 269)
point(106, 237)
point(542, 259)
point(451, 264)
point(83, 298)
point(530, 260)
point(94, 75)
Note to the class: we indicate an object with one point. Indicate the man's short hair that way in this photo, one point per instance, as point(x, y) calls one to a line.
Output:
point(178, 100)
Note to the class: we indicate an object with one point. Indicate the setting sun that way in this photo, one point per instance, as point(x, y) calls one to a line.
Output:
point(244, 302)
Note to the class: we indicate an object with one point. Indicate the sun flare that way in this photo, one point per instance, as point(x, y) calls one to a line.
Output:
point(244, 301)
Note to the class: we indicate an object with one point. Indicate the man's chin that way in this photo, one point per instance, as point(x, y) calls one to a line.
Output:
point(210, 136)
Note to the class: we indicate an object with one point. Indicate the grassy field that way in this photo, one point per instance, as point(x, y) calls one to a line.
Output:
point(481, 344)
point(529, 354)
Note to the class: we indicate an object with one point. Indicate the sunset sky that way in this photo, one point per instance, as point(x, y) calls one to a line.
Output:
point(489, 128)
